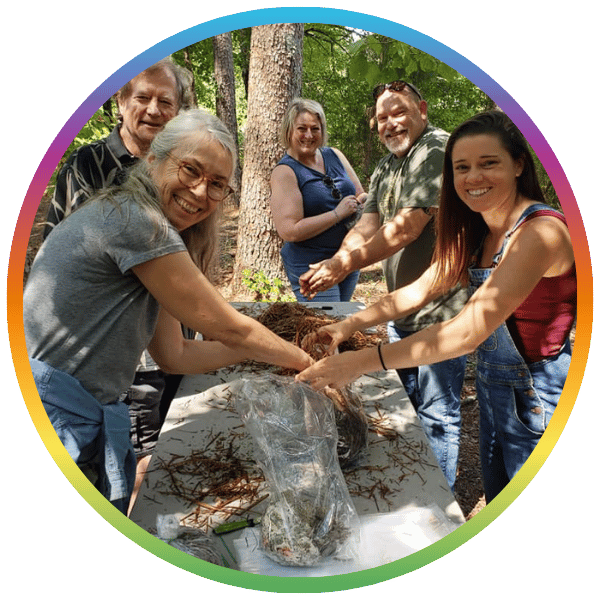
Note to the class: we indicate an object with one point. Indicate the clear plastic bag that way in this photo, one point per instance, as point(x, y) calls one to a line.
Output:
point(352, 424)
point(310, 513)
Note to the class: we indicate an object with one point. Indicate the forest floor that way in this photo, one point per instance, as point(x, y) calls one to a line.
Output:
point(371, 286)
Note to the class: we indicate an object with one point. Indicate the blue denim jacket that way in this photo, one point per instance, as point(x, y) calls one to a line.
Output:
point(95, 435)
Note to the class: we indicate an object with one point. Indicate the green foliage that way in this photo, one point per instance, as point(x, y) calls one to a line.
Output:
point(199, 59)
point(264, 289)
point(379, 59)
point(341, 67)
point(98, 127)
point(451, 98)
point(546, 184)
point(326, 79)
point(451, 101)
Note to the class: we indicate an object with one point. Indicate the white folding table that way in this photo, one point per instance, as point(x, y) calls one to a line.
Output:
point(397, 488)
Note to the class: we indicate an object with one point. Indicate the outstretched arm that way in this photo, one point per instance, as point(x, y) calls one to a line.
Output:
point(540, 248)
point(185, 293)
point(365, 244)
point(395, 305)
point(176, 354)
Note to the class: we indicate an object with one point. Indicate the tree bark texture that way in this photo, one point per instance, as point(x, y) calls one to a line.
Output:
point(275, 78)
point(226, 111)
point(190, 68)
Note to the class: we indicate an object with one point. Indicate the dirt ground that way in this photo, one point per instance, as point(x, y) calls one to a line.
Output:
point(468, 488)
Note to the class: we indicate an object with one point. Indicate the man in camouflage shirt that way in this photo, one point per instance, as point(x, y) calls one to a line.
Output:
point(397, 228)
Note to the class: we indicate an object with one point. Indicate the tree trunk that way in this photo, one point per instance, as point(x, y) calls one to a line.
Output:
point(244, 42)
point(275, 78)
point(226, 110)
point(188, 65)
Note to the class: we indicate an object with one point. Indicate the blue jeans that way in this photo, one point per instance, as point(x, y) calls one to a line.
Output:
point(516, 399)
point(516, 402)
point(341, 292)
point(434, 391)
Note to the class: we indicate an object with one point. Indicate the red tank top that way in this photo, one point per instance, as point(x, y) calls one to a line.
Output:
point(541, 324)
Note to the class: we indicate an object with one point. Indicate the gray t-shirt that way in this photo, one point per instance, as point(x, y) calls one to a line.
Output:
point(413, 181)
point(84, 311)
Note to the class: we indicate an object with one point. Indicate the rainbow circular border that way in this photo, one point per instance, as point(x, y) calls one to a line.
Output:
point(59, 147)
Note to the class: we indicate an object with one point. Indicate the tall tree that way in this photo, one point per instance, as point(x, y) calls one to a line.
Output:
point(189, 66)
point(225, 100)
point(275, 77)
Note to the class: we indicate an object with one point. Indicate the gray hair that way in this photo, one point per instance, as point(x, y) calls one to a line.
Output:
point(202, 239)
point(192, 121)
point(183, 82)
point(296, 107)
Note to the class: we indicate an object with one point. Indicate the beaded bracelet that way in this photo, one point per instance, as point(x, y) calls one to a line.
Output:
point(381, 357)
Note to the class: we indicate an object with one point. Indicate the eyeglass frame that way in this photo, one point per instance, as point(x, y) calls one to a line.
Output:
point(203, 177)
point(395, 86)
point(328, 181)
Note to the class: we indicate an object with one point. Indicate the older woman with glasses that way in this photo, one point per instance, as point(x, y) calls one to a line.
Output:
point(120, 275)
point(315, 198)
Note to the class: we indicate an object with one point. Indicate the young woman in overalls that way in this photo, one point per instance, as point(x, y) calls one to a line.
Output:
point(496, 235)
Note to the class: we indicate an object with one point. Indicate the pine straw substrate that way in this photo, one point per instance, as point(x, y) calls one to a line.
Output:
point(293, 321)
point(227, 479)
point(215, 480)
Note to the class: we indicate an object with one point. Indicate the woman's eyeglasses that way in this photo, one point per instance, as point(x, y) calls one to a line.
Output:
point(395, 86)
point(328, 181)
point(191, 176)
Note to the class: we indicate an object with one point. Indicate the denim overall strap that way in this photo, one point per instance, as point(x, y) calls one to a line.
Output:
point(528, 211)
point(513, 414)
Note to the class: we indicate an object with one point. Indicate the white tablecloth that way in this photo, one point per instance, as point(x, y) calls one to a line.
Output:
point(397, 488)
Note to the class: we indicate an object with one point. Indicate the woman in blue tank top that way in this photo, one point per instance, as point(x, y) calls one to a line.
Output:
point(315, 198)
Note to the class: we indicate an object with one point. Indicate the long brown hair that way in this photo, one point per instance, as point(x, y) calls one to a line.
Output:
point(459, 230)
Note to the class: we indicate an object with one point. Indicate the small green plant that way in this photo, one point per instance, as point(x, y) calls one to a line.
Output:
point(264, 289)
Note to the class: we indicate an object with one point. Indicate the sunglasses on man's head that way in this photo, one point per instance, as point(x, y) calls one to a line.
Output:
point(395, 86)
